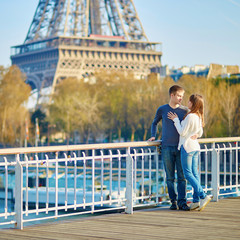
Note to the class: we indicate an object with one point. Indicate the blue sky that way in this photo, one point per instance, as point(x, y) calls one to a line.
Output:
point(191, 31)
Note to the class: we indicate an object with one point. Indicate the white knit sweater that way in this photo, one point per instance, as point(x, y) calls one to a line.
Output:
point(190, 126)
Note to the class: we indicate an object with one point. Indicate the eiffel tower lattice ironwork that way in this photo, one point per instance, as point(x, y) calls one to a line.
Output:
point(75, 38)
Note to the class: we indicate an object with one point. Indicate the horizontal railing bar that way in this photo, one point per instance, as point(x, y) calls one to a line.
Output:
point(65, 148)
point(7, 214)
point(10, 151)
point(146, 205)
point(219, 149)
point(43, 210)
point(218, 140)
point(7, 223)
point(231, 186)
point(74, 214)
point(81, 159)
point(226, 149)
point(229, 193)
point(207, 188)
point(8, 164)
point(206, 150)
point(150, 196)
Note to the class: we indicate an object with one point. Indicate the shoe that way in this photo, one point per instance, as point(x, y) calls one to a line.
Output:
point(204, 202)
point(184, 207)
point(173, 206)
point(194, 205)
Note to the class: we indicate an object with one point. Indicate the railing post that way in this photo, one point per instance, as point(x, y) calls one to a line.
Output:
point(18, 194)
point(215, 173)
point(93, 180)
point(56, 184)
point(237, 167)
point(129, 183)
point(157, 175)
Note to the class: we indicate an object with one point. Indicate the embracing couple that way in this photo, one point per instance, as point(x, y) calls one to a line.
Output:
point(181, 127)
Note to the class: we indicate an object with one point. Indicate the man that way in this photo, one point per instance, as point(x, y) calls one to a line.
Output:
point(170, 152)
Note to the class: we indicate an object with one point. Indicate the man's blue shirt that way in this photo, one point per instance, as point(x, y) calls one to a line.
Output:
point(170, 136)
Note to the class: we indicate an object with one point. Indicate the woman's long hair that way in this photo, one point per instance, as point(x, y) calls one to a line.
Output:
point(197, 106)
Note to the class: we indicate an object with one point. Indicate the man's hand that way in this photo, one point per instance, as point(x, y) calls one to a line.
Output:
point(194, 137)
point(151, 139)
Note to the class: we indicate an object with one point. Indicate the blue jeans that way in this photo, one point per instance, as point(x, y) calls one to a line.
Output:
point(190, 169)
point(171, 160)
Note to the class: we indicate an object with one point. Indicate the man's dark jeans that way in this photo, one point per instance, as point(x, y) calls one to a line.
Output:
point(172, 161)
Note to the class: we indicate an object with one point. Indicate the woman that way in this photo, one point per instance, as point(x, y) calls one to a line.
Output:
point(192, 124)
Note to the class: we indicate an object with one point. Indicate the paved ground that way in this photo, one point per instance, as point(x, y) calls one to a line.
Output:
point(219, 220)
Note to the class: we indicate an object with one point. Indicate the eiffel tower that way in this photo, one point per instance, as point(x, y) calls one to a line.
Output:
point(75, 38)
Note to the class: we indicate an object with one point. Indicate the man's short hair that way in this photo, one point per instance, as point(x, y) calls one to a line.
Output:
point(175, 88)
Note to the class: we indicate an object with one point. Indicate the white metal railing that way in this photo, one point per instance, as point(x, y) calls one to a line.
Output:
point(59, 181)
point(220, 166)
point(127, 166)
